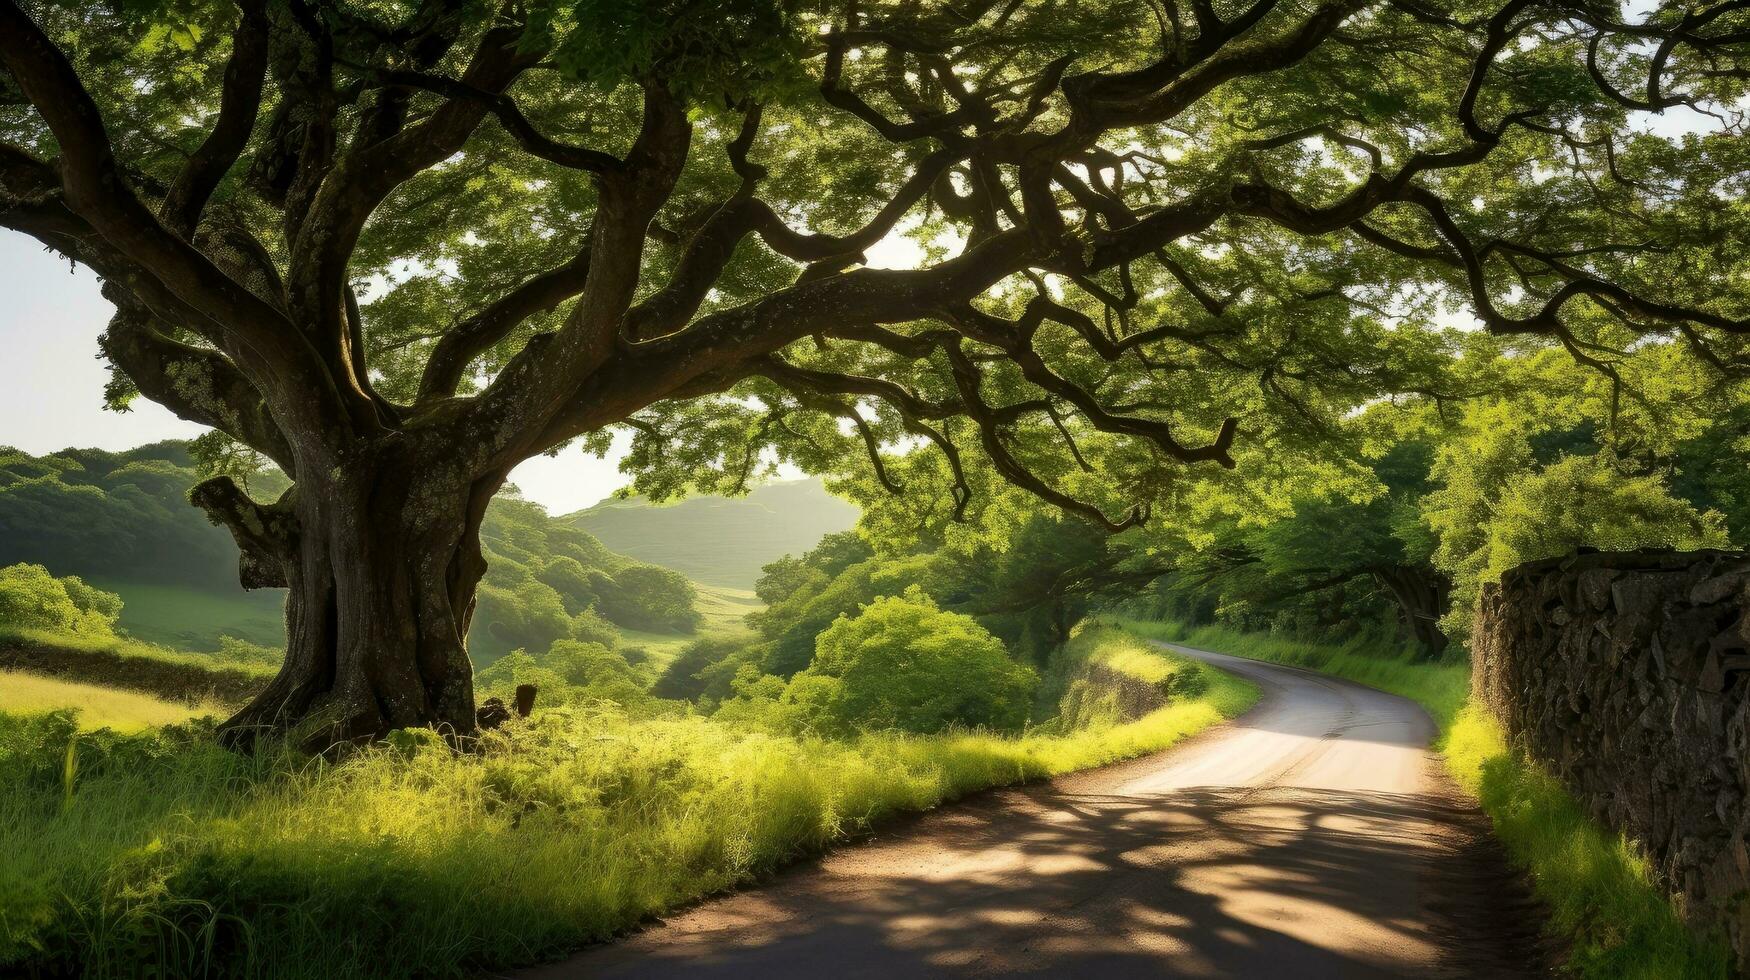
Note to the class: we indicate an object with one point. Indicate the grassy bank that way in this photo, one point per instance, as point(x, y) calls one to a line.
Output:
point(119, 851)
point(1601, 897)
point(99, 706)
point(128, 663)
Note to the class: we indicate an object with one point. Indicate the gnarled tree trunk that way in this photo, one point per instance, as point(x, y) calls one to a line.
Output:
point(381, 559)
point(1421, 595)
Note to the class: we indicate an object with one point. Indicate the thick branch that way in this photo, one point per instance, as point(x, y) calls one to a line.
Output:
point(266, 534)
point(239, 101)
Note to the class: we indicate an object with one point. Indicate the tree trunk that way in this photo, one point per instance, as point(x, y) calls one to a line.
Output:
point(1421, 597)
point(381, 561)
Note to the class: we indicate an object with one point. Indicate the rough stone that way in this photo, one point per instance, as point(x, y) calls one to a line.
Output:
point(1626, 674)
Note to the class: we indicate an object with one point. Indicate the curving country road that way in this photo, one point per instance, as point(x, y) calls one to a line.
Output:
point(1313, 837)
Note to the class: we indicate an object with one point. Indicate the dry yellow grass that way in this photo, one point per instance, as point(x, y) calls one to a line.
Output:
point(99, 707)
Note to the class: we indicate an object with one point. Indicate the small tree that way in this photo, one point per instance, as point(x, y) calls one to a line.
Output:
point(903, 664)
point(32, 598)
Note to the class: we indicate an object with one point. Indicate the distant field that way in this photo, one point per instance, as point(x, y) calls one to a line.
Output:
point(718, 540)
point(190, 618)
point(99, 707)
point(723, 608)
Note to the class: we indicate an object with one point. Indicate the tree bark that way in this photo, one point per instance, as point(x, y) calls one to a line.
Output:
point(381, 560)
point(1421, 595)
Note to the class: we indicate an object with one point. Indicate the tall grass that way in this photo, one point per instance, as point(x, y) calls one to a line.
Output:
point(1603, 901)
point(1598, 887)
point(160, 850)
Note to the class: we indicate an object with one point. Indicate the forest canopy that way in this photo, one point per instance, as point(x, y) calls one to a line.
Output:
point(1135, 260)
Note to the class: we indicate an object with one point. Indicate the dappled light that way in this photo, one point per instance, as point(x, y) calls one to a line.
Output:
point(885, 488)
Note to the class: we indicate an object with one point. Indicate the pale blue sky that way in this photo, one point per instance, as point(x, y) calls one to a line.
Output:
point(51, 387)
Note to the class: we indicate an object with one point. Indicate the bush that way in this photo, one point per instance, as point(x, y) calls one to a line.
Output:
point(645, 597)
point(570, 671)
point(31, 598)
point(705, 667)
point(901, 663)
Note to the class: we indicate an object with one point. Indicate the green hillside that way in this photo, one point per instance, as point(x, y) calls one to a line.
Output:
point(720, 540)
point(192, 617)
point(122, 520)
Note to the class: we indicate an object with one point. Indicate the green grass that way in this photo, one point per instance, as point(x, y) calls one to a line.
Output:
point(96, 706)
point(1602, 900)
point(407, 859)
point(188, 617)
point(724, 609)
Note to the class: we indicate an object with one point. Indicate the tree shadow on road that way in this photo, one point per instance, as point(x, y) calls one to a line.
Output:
point(1206, 882)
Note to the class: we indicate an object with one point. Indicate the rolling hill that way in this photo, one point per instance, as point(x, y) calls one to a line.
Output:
point(122, 521)
point(722, 541)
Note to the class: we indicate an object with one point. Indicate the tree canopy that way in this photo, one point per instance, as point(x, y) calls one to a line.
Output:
point(1086, 249)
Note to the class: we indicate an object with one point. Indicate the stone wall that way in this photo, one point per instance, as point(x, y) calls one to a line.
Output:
point(1627, 675)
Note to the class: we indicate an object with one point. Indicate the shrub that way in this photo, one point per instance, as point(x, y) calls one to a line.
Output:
point(569, 671)
point(901, 663)
point(645, 597)
point(31, 598)
point(705, 667)
point(588, 626)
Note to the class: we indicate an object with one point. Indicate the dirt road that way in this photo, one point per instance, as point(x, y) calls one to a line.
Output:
point(1313, 837)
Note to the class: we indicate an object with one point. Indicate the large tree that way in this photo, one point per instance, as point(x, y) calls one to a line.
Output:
point(399, 246)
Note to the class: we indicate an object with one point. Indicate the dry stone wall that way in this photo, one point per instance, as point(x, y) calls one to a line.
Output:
point(1627, 675)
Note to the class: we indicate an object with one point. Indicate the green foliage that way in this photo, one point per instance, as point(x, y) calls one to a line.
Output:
point(1496, 509)
point(1710, 473)
point(904, 664)
point(645, 597)
point(705, 668)
point(31, 598)
point(748, 48)
point(792, 624)
point(1546, 456)
point(568, 672)
point(547, 580)
point(1586, 500)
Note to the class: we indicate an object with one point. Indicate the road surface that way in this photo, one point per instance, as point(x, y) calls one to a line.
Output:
point(1313, 837)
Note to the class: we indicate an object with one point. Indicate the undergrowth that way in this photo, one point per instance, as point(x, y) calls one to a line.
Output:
point(118, 852)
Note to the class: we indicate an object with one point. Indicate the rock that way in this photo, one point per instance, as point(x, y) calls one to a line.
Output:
point(491, 714)
point(525, 699)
